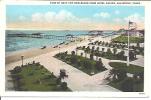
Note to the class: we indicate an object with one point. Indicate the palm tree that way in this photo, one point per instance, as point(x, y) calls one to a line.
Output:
point(132, 55)
point(103, 49)
point(99, 42)
point(73, 53)
point(97, 48)
point(66, 53)
point(138, 45)
point(95, 42)
point(109, 44)
point(91, 56)
point(114, 51)
point(109, 50)
point(88, 48)
point(93, 47)
point(113, 74)
point(117, 74)
point(77, 51)
point(120, 55)
point(83, 48)
point(99, 64)
point(103, 43)
point(62, 74)
point(64, 86)
point(16, 70)
point(81, 54)
point(85, 51)
point(97, 55)
point(122, 74)
point(109, 53)
point(106, 44)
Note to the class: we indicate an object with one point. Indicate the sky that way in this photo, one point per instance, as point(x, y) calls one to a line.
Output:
point(73, 17)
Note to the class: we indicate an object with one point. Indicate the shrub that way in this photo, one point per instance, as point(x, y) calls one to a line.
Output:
point(64, 86)
point(127, 85)
point(73, 53)
point(114, 51)
point(74, 59)
point(17, 70)
point(99, 64)
point(91, 56)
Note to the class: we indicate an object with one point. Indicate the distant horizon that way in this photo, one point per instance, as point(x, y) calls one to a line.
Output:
point(60, 29)
point(56, 30)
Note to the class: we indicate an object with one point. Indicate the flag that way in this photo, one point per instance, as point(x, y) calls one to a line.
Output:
point(132, 24)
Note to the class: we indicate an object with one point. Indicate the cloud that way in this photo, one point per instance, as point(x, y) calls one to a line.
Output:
point(49, 16)
point(117, 12)
point(117, 20)
point(65, 16)
point(65, 20)
point(102, 15)
point(22, 18)
point(37, 17)
point(62, 16)
point(135, 17)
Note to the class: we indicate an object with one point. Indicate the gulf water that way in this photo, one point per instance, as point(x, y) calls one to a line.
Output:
point(21, 43)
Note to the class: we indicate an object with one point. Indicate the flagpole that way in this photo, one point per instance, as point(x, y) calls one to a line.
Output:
point(128, 45)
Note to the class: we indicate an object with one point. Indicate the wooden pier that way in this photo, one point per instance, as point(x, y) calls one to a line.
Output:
point(45, 36)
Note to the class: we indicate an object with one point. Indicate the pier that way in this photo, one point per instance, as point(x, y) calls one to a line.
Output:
point(45, 36)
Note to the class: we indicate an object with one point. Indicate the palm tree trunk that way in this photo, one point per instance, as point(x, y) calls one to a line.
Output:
point(85, 54)
point(96, 57)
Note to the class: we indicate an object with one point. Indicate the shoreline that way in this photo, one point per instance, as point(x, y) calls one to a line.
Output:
point(28, 53)
point(15, 56)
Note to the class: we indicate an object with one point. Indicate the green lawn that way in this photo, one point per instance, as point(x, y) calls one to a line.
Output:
point(34, 77)
point(136, 86)
point(130, 69)
point(84, 64)
point(128, 84)
point(124, 39)
point(112, 56)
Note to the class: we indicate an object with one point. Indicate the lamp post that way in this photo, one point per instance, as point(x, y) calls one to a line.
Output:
point(128, 44)
point(22, 58)
point(59, 49)
point(76, 46)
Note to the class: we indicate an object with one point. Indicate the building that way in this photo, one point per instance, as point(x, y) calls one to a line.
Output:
point(136, 33)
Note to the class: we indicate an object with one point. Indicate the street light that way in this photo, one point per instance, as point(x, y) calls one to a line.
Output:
point(128, 45)
point(22, 57)
point(76, 45)
point(59, 49)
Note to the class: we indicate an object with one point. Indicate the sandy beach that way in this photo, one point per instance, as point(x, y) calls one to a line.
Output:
point(16, 56)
